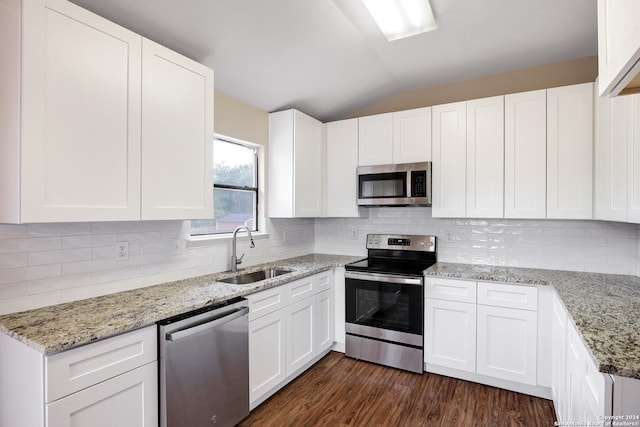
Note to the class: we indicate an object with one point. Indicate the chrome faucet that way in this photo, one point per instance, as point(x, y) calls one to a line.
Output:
point(234, 259)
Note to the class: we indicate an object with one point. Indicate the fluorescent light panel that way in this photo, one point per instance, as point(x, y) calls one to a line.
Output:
point(402, 18)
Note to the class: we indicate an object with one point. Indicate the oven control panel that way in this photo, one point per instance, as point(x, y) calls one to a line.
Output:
point(401, 242)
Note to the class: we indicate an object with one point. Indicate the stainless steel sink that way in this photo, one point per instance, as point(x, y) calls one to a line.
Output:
point(256, 276)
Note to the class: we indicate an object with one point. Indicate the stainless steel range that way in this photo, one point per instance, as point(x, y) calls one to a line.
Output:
point(385, 300)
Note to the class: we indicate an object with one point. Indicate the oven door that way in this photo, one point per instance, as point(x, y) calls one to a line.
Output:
point(385, 307)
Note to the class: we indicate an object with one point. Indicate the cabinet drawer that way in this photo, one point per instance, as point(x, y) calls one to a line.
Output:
point(301, 289)
point(266, 302)
point(79, 368)
point(324, 281)
point(451, 290)
point(509, 296)
point(128, 400)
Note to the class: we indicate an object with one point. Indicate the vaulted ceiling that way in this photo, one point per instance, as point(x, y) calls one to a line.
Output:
point(327, 57)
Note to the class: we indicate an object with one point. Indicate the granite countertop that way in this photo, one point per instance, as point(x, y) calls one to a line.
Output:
point(604, 307)
point(61, 327)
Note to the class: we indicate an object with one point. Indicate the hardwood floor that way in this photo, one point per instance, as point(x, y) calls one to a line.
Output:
point(339, 391)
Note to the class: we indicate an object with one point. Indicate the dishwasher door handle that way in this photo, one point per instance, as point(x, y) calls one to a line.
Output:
point(183, 333)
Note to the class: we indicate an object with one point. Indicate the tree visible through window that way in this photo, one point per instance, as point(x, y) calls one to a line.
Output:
point(235, 189)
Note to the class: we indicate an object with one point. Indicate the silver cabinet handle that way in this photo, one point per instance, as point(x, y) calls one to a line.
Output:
point(209, 324)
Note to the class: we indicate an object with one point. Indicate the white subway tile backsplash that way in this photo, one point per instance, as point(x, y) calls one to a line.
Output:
point(28, 245)
point(89, 241)
point(12, 260)
point(57, 257)
point(22, 274)
point(43, 264)
point(555, 244)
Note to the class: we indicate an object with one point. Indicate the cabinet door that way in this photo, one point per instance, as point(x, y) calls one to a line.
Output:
point(301, 333)
point(342, 161)
point(267, 354)
point(634, 163)
point(618, 45)
point(324, 320)
point(375, 138)
point(80, 116)
point(177, 136)
point(309, 166)
point(559, 359)
point(412, 135)
point(570, 152)
point(485, 158)
point(614, 132)
point(449, 160)
point(450, 334)
point(134, 394)
point(339, 308)
point(525, 154)
point(507, 343)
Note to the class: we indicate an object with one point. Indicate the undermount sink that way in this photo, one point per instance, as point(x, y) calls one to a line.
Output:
point(256, 276)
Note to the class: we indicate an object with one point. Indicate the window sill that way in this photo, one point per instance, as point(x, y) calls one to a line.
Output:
point(202, 241)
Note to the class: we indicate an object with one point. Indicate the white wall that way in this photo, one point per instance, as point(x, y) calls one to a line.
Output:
point(44, 264)
point(594, 246)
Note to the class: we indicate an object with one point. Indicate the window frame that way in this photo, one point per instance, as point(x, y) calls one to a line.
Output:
point(259, 223)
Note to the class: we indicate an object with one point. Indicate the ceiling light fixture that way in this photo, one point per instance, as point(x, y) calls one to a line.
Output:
point(402, 18)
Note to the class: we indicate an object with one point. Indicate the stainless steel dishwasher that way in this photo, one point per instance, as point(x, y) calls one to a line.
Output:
point(204, 366)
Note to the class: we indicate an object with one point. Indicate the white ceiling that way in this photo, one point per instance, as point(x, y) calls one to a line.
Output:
point(327, 58)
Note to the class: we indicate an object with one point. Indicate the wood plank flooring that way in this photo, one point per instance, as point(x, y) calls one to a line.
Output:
point(339, 391)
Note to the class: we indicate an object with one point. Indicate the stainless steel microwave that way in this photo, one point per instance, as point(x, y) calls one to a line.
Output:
point(406, 184)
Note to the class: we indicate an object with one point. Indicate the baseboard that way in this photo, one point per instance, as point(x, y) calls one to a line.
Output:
point(537, 391)
point(339, 347)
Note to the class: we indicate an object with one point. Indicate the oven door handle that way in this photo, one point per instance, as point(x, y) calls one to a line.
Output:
point(385, 278)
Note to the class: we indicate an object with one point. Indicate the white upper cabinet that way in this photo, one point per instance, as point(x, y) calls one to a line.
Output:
point(449, 160)
point(634, 164)
point(618, 46)
point(375, 138)
point(71, 140)
point(296, 165)
point(570, 152)
point(71, 145)
point(412, 136)
point(617, 159)
point(400, 137)
point(177, 136)
point(342, 161)
point(485, 158)
point(614, 132)
point(525, 154)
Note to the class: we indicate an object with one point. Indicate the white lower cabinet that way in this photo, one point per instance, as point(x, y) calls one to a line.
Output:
point(586, 396)
point(559, 358)
point(450, 334)
point(266, 353)
point(128, 400)
point(290, 328)
point(507, 344)
point(301, 333)
point(483, 332)
point(325, 328)
point(112, 382)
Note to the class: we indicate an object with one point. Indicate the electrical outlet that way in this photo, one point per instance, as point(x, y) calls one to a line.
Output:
point(122, 251)
point(449, 237)
point(176, 246)
point(354, 234)
point(285, 235)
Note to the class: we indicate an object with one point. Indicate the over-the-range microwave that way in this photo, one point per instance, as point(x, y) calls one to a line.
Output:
point(405, 184)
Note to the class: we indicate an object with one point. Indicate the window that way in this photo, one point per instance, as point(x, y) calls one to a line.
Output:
point(235, 189)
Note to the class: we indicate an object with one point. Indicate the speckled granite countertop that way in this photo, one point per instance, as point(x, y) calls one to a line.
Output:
point(64, 326)
point(604, 307)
